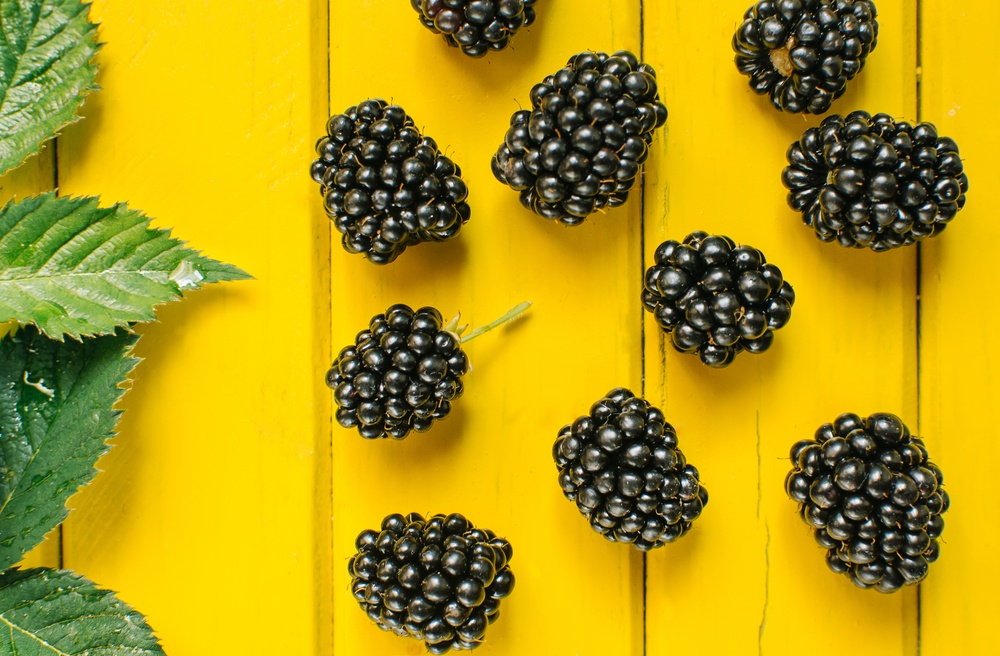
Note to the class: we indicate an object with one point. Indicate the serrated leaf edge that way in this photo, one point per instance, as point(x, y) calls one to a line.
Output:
point(237, 273)
point(82, 96)
point(128, 356)
point(80, 583)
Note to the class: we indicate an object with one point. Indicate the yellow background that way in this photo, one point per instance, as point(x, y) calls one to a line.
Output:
point(229, 506)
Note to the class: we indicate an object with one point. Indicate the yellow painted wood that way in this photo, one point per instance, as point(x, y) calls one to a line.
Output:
point(749, 577)
point(491, 459)
point(959, 386)
point(34, 176)
point(228, 509)
point(212, 514)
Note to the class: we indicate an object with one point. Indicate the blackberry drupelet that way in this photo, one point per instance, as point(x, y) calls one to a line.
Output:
point(439, 580)
point(385, 185)
point(873, 498)
point(872, 182)
point(476, 26)
point(802, 53)
point(404, 371)
point(580, 147)
point(621, 466)
point(715, 298)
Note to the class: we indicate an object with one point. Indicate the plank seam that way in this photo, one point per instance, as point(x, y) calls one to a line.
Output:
point(328, 77)
point(767, 546)
point(642, 317)
point(919, 274)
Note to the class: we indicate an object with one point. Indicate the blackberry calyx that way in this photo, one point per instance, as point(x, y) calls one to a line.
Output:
point(439, 580)
point(715, 298)
point(621, 465)
point(403, 372)
point(802, 53)
point(385, 185)
point(873, 498)
point(580, 147)
point(873, 182)
point(475, 26)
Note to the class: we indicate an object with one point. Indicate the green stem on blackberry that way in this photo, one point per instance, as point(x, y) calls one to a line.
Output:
point(453, 326)
point(511, 314)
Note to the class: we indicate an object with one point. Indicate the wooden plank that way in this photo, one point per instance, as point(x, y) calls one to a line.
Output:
point(212, 513)
point(958, 385)
point(749, 578)
point(36, 175)
point(491, 459)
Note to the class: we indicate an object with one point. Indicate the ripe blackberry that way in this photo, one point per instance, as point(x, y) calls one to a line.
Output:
point(621, 466)
point(715, 298)
point(580, 146)
point(873, 498)
point(475, 26)
point(403, 372)
point(802, 53)
point(384, 184)
point(438, 579)
point(869, 181)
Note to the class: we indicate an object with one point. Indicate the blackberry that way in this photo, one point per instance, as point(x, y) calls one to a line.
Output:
point(581, 145)
point(870, 181)
point(715, 298)
point(438, 579)
point(384, 184)
point(402, 372)
point(802, 53)
point(621, 466)
point(873, 498)
point(475, 26)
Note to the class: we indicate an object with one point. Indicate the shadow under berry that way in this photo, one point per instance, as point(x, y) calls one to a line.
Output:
point(493, 72)
point(410, 275)
point(441, 441)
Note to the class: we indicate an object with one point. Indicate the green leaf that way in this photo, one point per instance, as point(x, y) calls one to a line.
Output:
point(73, 268)
point(47, 49)
point(45, 612)
point(56, 415)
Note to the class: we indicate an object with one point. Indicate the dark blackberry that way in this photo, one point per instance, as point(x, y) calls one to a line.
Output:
point(621, 466)
point(871, 182)
point(385, 185)
point(715, 298)
point(439, 580)
point(802, 53)
point(475, 26)
point(403, 372)
point(873, 498)
point(581, 145)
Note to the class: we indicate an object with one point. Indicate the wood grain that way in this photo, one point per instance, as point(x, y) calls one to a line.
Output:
point(958, 366)
point(212, 514)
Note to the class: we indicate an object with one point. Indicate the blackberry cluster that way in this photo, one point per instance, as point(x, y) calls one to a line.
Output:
point(385, 185)
point(715, 298)
point(872, 182)
point(400, 374)
point(475, 26)
point(802, 53)
point(580, 146)
point(873, 498)
point(621, 466)
point(438, 579)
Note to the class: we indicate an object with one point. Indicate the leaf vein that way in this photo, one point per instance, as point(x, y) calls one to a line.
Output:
point(14, 627)
point(94, 226)
point(70, 208)
point(20, 57)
